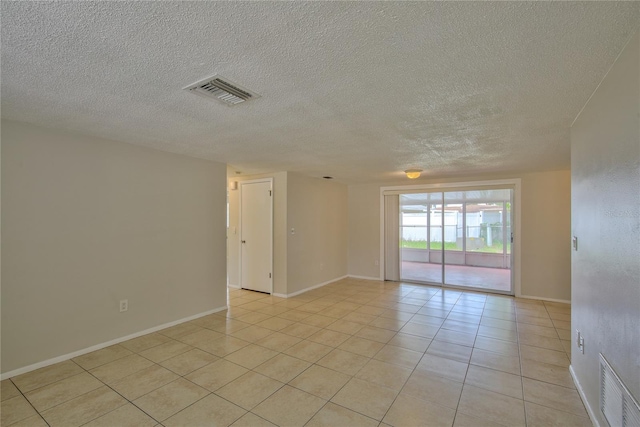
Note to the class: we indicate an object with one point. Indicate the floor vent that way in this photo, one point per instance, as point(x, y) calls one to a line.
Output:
point(616, 402)
point(221, 89)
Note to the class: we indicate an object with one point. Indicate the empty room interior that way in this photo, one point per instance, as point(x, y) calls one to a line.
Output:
point(320, 213)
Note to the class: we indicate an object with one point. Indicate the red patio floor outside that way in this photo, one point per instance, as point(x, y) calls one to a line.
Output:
point(497, 279)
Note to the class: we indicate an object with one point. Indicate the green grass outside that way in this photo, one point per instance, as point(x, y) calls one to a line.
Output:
point(451, 246)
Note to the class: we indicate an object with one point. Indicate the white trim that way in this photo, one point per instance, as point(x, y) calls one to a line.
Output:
point(231, 285)
point(255, 181)
point(564, 301)
point(583, 396)
point(363, 277)
point(381, 258)
point(100, 346)
point(319, 285)
point(516, 269)
point(516, 262)
point(443, 186)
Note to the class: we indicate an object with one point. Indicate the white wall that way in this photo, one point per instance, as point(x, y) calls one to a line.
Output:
point(87, 222)
point(605, 172)
point(317, 252)
point(545, 240)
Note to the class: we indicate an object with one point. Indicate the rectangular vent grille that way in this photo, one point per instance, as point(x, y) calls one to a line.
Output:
point(221, 89)
point(616, 402)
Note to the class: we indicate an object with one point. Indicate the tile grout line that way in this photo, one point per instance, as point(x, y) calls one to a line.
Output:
point(127, 400)
point(468, 366)
point(287, 383)
point(524, 406)
point(28, 401)
point(383, 300)
point(372, 358)
point(379, 316)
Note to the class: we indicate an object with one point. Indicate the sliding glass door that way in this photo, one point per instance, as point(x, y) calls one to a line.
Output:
point(457, 238)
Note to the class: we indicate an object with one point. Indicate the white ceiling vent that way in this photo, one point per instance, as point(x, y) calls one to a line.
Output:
point(220, 88)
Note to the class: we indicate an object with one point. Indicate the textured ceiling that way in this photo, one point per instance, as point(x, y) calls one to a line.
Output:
point(356, 90)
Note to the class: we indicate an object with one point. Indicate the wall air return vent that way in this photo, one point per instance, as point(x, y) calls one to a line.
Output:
point(616, 402)
point(221, 89)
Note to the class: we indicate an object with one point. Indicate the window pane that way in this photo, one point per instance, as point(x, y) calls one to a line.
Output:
point(484, 227)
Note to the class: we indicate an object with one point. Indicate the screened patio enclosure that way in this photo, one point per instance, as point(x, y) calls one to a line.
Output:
point(459, 238)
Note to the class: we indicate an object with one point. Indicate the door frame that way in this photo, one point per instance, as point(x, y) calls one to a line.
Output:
point(515, 183)
point(241, 184)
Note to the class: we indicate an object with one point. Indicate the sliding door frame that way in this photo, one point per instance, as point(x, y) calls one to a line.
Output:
point(514, 183)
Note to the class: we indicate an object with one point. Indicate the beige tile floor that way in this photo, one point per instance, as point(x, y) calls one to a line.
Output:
point(353, 353)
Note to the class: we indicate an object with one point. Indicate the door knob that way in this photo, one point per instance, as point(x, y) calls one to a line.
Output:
point(244, 241)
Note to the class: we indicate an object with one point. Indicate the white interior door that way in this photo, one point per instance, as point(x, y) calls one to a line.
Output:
point(256, 236)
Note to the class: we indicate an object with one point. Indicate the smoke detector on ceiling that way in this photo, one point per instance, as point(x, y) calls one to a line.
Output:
point(221, 89)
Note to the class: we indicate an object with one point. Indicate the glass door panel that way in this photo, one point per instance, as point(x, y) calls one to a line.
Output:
point(485, 261)
point(421, 237)
point(454, 242)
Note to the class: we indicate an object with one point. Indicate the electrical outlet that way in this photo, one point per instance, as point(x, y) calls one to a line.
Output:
point(124, 305)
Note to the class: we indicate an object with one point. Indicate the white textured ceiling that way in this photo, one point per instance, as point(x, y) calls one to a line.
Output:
point(356, 90)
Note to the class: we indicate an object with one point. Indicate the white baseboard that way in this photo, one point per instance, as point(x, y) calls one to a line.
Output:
point(100, 346)
point(231, 285)
point(319, 285)
point(564, 301)
point(364, 277)
point(592, 415)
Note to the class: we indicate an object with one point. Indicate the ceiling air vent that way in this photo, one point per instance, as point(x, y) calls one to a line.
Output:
point(220, 88)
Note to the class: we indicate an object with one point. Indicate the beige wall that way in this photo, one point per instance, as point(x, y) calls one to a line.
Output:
point(317, 252)
point(364, 230)
point(546, 235)
point(545, 258)
point(279, 229)
point(87, 222)
point(605, 171)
